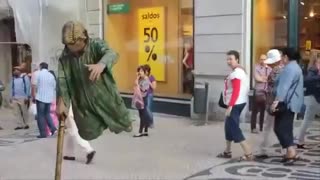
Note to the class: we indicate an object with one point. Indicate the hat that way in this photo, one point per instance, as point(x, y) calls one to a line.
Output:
point(73, 31)
point(273, 56)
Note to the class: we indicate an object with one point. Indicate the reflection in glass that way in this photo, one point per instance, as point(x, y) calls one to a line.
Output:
point(270, 28)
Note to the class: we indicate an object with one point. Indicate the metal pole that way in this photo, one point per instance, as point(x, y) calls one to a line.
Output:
point(207, 104)
point(60, 148)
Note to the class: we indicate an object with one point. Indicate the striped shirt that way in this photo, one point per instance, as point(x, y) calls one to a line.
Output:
point(20, 87)
point(46, 86)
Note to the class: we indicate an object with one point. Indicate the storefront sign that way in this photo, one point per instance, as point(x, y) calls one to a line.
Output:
point(119, 8)
point(151, 29)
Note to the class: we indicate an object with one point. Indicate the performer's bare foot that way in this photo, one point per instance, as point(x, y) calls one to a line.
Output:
point(90, 157)
point(69, 158)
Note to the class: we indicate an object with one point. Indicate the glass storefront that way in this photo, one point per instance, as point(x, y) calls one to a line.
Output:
point(154, 32)
point(270, 26)
point(309, 30)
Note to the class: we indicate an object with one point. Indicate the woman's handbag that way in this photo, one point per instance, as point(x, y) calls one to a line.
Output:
point(221, 102)
point(282, 106)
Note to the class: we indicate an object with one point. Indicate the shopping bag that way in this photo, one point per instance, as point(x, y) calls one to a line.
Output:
point(137, 99)
point(33, 109)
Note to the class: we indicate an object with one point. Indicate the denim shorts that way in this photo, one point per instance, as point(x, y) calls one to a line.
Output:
point(232, 124)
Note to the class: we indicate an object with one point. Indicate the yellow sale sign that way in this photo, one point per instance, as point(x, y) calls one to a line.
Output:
point(151, 29)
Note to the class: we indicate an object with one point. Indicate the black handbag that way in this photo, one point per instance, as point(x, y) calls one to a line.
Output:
point(282, 106)
point(221, 102)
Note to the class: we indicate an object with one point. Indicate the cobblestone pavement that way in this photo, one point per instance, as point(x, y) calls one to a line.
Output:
point(176, 149)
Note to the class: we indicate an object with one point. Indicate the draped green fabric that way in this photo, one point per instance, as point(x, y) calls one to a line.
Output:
point(96, 105)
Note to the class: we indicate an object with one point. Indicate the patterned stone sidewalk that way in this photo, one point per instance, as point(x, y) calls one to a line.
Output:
point(176, 149)
point(305, 169)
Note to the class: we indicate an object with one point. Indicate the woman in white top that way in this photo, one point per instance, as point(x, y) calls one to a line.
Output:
point(235, 96)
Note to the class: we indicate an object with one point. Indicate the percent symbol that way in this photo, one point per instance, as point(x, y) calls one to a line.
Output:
point(150, 53)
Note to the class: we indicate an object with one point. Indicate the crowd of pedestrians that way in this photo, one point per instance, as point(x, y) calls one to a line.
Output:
point(281, 92)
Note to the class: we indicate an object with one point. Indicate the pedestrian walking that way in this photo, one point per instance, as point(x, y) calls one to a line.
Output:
point(20, 97)
point(153, 86)
point(288, 101)
point(274, 60)
point(235, 97)
point(53, 111)
point(2, 88)
point(311, 99)
point(142, 85)
point(45, 95)
point(72, 138)
point(261, 74)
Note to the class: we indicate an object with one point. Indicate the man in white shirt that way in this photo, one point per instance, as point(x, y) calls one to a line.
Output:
point(44, 95)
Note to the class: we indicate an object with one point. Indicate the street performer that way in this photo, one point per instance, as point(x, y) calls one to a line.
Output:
point(85, 80)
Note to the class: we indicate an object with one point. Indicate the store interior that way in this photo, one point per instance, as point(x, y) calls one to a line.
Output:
point(309, 29)
point(270, 27)
point(121, 32)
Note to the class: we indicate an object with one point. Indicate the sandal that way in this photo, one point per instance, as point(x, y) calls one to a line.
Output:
point(226, 155)
point(262, 156)
point(246, 157)
point(302, 146)
point(291, 161)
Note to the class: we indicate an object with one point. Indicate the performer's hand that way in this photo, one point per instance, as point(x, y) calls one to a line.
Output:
point(61, 108)
point(96, 70)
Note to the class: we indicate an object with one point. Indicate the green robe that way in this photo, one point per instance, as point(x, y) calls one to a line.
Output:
point(96, 105)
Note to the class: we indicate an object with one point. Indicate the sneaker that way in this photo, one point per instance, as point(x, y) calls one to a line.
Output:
point(26, 127)
point(18, 128)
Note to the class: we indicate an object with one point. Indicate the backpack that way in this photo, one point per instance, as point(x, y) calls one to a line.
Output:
point(24, 85)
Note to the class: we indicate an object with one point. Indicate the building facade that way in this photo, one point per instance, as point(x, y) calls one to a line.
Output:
point(184, 41)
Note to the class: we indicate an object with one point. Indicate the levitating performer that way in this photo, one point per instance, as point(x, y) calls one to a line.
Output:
point(85, 80)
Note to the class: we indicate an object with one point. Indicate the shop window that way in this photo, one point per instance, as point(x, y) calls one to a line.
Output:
point(309, 30)
point(158, 33)
point(270, 26)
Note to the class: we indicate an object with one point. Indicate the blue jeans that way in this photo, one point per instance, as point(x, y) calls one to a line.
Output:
point(232, 125)
point(149, 107)
point(43, 118)
point(144, 117)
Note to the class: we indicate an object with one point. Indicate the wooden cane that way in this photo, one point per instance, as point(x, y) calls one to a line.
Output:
point(60, 147)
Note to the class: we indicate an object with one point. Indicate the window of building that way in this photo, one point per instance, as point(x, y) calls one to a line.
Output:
point(270, 26)
point(158, 33)
point(309, 29)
